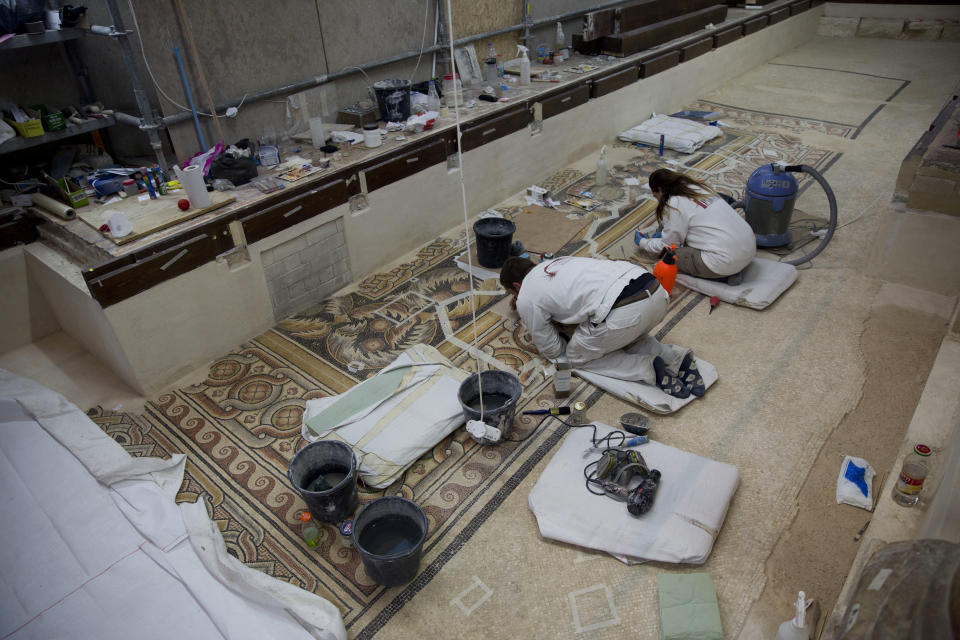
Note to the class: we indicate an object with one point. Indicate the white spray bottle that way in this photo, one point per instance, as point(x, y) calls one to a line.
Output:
point(524, 64)
point(796, 629)
point(601, 177)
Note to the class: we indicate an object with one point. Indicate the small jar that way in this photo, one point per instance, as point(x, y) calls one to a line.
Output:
point(451, 84)
point(371, 136)
point(916, 467)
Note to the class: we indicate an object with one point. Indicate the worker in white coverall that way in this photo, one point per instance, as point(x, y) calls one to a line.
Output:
point(713, 241)
point(614, 304)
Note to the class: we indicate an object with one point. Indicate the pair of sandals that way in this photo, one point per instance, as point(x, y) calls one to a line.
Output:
point(687, 382)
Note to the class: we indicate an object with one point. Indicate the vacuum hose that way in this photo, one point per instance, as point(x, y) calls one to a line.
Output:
point(831, 199)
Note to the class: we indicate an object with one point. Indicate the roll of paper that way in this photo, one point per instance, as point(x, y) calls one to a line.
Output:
point(316, 132)
point(55, 207)
point(191, 179)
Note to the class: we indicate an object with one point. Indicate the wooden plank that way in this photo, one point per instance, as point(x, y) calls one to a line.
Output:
point(613, 81)
point(597, 24)
point(644, 38)
point(152, 216)
point(659, 63)
point(779, 15)
point(695, 49)
point(586, 47)
point(754, 24)
point(799, 7)
point(500, 124)
point(267, 221)
point(643, 14)
point(564, 100)
point(727, 36)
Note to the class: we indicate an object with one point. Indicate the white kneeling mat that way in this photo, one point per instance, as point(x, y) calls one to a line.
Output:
point(688, 511)
point(763, 282)
point(648, 396)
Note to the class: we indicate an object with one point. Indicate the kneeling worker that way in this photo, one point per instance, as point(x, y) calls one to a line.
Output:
point(614, 304)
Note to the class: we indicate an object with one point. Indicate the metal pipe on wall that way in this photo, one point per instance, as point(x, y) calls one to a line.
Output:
point(316, 81)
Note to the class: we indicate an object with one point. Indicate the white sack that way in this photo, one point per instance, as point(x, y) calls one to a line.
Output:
point(680, 134)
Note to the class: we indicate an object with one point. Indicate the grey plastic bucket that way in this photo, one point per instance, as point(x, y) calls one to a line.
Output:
point(501, 391)
point(393, 98)
point(494, 236)
point(389, 533)
point(326, 457)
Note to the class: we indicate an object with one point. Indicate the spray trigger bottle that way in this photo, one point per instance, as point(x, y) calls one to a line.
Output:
point(666, 270)
point(601, 178)
point(797, 628)
point(524, 64)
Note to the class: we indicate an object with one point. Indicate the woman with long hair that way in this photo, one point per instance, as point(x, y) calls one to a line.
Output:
point(713, 241)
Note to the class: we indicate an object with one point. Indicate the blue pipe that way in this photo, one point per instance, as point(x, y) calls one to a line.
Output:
point(193, 109)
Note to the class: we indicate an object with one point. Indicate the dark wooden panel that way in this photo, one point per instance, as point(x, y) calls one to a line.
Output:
point(16, 228)
point(799, 7)
point(491, 128)
point(129, 280)
point(659, 63)
point(586, 47)
point(387, 170)
point(561, 101)
point(727, 36)
point(631, 42)
point(779, 15)
point(694, 49)
point(613, 81)
point(267, 221)
point(754, 24)
point(643, 14)
point(597, 24)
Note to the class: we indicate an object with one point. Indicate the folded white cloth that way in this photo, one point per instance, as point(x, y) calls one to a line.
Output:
point(680, 134)
point(690, 506)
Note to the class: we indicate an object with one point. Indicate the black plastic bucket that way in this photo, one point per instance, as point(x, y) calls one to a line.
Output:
point(389, 533)
point(393, 98)
point(494, 236)
point(338, 466)
point(501, 391)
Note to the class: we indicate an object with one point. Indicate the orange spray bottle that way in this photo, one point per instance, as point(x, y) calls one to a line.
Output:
point(666, 270)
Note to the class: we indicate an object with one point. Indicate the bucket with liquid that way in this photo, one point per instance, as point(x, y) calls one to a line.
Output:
point(501, 392)
point(325, 474)
point(494, 236)
point(389, 533)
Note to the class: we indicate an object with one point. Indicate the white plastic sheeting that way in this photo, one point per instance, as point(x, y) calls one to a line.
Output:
point(680, 134)
point(390, 427)
point(92, 544)
point(689, 509)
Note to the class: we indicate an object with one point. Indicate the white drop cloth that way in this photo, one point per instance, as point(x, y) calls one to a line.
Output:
point(763, 282)
point(92, 544)
point(388, 435)
point(689, 509)
point(646, 395)
point(680, 134)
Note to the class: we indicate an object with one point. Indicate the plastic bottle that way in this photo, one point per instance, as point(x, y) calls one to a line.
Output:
point(310, 532)
point(666, 270)
point(433, 98)
point(796, 628)
point(524, 65)
point(601, 178)
point(915, 468)
point(560, 48)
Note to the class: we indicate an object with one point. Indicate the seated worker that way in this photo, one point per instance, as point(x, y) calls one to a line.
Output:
point(713, 240)
point(613, 305)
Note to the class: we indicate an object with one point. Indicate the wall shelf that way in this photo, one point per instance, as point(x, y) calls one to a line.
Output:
point(19, 142)
point(47, 37)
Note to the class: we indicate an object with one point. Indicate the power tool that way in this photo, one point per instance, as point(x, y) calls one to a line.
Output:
point(615, 471)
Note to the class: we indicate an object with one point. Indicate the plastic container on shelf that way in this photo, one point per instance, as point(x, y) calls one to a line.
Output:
point(371, 135)
point(452, 85)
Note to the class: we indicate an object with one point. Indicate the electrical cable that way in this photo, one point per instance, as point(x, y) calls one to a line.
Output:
point(466, 220)
point(423, 38)
point(146, 63)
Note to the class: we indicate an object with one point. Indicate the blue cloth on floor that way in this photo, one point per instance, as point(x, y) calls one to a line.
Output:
point(856, 475)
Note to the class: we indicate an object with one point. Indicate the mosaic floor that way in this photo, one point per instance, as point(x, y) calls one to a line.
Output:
point(241, 425)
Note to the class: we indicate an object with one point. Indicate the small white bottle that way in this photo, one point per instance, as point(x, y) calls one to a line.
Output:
point(601, 178)
point(433, 98)
point(524, 65)
point(560, 47)
point(797, 628)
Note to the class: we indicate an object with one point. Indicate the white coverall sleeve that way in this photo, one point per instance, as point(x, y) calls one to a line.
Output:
point(544, 335)
point(674, 229)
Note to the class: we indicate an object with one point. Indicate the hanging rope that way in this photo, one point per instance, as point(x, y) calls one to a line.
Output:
point(463, 197)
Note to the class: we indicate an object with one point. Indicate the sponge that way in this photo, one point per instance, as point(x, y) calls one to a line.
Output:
point(688, 607)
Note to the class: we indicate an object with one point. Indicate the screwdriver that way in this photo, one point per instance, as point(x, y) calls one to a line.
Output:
point(553, 411)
